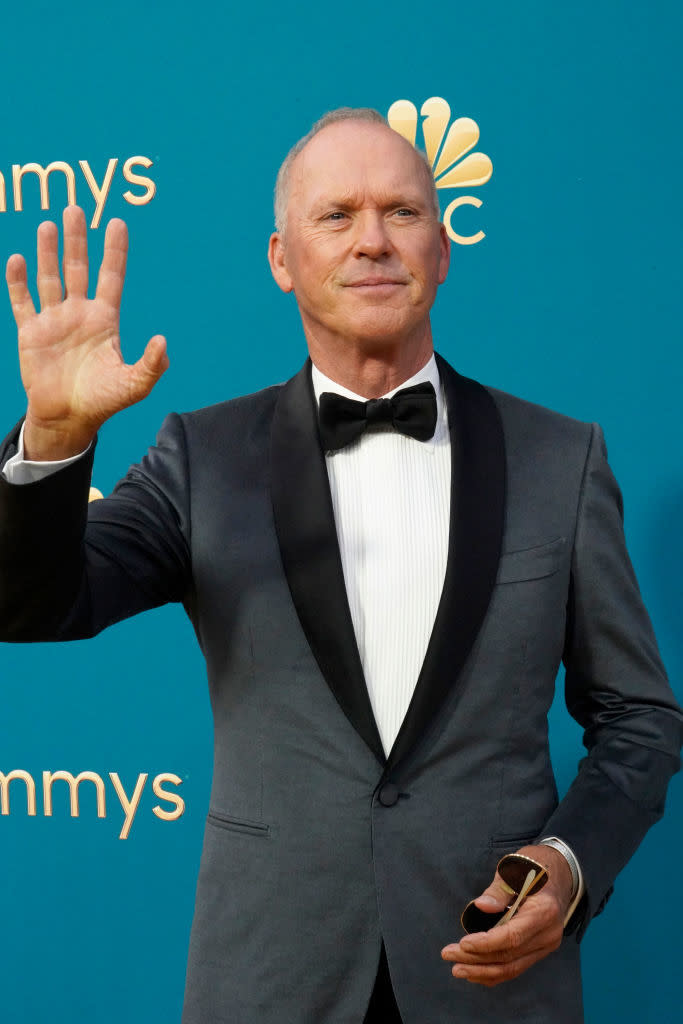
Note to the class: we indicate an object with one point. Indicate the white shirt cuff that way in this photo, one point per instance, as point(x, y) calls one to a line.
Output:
point(19, 470)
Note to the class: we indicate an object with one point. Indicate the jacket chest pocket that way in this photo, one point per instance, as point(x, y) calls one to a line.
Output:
point(532, 563)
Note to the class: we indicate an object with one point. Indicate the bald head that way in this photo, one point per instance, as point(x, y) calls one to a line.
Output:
point(362, 116)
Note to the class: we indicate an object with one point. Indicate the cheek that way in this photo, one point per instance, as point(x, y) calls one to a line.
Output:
point(314, 286)
point(430, 270)
point(421, 256)
point(305, 272)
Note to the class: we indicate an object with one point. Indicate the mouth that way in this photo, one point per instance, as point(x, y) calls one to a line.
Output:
point(375, 283)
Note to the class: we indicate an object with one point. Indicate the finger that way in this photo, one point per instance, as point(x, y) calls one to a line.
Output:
point(19, 295)
point(494, 974)
point(113, 268)
point(143, 375)
point(537, 925)
point(75, 253)
point(543, 940)
point(505, 940)
point(49, 281)
point(535, 916)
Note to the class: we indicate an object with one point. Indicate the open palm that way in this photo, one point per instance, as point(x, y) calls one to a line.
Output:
point(70, 353)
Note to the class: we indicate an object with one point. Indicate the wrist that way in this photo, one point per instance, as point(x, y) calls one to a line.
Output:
point(578, 884)
point(568, 854)
point(54, 442)
point(560, 877)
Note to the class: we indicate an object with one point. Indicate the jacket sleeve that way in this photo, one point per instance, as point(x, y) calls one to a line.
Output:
point(616, 689)
point(68, 568)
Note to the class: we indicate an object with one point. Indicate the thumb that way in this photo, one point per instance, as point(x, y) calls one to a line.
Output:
point(151, 365)
point(495, 897)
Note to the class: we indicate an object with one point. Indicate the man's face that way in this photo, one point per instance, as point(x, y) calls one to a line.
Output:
point(363, 250)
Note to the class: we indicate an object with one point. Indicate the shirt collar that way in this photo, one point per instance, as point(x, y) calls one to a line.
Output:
point(429, 372)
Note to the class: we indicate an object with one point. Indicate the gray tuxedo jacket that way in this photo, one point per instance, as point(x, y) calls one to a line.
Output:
point(317, 846)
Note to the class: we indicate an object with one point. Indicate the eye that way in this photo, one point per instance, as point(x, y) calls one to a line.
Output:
point(335, 215)
point(405, 211)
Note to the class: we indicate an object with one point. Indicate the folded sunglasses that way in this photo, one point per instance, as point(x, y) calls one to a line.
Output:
point(521, 877)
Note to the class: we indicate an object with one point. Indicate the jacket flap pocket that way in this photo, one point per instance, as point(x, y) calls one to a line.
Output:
point(531, 563)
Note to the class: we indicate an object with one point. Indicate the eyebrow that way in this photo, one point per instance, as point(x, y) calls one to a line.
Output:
point(350, 200)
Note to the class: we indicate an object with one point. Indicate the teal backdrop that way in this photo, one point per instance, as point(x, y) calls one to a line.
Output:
point(571, 300)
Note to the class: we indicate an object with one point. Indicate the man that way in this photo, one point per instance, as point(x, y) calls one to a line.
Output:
point(382, 611)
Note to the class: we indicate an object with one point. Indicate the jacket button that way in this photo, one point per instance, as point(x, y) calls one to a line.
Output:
point(388, 794)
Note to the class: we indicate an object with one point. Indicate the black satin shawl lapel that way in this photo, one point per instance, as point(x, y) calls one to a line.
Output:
point(304, 523)
point(474, 546)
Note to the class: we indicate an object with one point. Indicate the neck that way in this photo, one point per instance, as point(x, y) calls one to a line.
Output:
point(370, 371)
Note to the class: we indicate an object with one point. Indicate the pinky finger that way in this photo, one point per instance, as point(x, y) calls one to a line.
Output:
point(19, 295)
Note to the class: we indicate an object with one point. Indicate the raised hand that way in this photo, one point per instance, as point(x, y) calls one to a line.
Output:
point(70, 353)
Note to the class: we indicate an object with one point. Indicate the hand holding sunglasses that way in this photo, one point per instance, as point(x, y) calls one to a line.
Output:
point(519, 931)
point(521, 877)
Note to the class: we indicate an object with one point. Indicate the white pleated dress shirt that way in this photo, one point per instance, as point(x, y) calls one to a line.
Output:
point(391, 500)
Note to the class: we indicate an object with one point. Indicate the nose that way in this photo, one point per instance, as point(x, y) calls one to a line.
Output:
point(371, 238)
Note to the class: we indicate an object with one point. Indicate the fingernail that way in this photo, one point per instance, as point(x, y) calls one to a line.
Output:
point(459, 972)
point(487, 901)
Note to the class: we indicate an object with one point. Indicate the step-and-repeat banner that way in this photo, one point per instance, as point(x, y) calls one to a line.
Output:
point(553, 134)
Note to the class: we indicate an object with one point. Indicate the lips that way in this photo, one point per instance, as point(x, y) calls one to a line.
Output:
point(372, 282)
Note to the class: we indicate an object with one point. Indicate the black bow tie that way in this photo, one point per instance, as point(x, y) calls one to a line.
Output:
point(411, 411)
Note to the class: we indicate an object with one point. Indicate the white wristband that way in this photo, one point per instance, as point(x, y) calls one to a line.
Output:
point(578, 886)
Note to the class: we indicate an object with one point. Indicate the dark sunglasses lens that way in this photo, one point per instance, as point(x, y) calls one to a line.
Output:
point(475, 920)
point(514, 870)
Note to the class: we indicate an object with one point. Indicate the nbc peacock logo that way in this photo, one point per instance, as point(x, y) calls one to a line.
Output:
point(445, 148)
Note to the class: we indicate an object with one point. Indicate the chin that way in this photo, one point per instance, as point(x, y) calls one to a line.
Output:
point(381, 328)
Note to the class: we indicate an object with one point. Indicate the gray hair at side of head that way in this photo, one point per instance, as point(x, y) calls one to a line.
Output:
point(334, 117)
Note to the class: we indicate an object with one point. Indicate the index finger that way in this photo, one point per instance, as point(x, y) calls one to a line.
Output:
point(113, 269)
point(531, 921)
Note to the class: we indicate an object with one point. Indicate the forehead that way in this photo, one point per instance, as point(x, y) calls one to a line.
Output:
point(356, 158)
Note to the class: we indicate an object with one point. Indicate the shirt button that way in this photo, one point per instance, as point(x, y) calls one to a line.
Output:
point(388, 794)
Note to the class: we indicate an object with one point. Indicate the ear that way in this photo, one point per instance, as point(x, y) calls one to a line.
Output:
point(276, 258)
point(445, 253)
